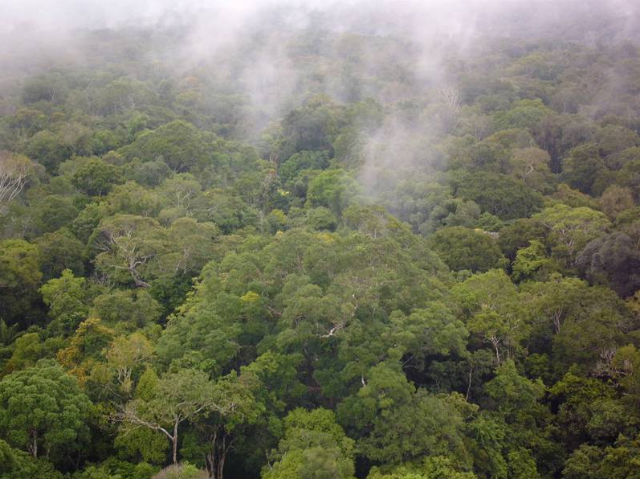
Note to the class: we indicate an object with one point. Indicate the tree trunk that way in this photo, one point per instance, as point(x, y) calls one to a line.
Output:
point(217, 455)
point(34, 443)
point(210, 463)
point(174, 441)
point(496, 345)
point(210, 458)
point(221, 465)
point(222, 457)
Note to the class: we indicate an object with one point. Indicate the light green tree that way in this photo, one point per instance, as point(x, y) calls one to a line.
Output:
point(314, 447)
point(67, 299)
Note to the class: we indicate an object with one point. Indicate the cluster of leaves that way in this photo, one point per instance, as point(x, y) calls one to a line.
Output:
point(181, 294)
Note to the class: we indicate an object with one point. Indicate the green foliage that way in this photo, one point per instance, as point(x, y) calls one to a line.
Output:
point(499, 195)
point(142, 445)
point(395, 423)
point(314, 446)
point(127, 309)
point(333, 189)
point(311, 127)
point(67, 300)
point(113, 468)
point(582, 167)
point(96, 177)
point(513, 394)
point(43, 411)
point(179, 144)
point(321, 218)
point(532, 263)
point(27, 349)
point(18, 464)
point(611, 260)
point(147, 173)
point(433, 467)
point(60, 251)
point(463, 248)
point(524, 114)
point(19, 279)
point(56, 212)
point(183, 470)
point(48, 149)
point(489, 304)
point(304, 160)
point(127, 244)
point(570, 229)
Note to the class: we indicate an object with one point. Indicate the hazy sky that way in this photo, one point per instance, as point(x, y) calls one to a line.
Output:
point(70, 14)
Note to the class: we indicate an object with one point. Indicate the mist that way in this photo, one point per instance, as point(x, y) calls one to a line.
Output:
point(248, 44)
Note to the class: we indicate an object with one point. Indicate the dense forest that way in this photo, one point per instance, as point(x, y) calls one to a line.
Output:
point(321, 249)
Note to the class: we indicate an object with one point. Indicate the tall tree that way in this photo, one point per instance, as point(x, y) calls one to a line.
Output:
point(185, 395)
point(43, 411)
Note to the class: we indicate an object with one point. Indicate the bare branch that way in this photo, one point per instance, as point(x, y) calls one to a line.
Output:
point(14, 172)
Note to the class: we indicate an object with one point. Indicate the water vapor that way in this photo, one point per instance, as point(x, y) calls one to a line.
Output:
point(268, 49)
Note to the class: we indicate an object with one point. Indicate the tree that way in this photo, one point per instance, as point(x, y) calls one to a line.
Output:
point(220, 426)
point(395, 423)
point(570, 229)
point(313, 446)
point(334, 189)
point(125, 355)
point(615, 138)
point(60, 251)
point(582, 167)
point(612, 260)
point(531, 166)
point(181, 192)
point(127, 244)
point(514, 395)
point(133, 199)
point(16, 464)
point(192, 245)
point(518, 235)
point(127, 309)
point(54, 212)
point(182, 146)
point(14, 175)
point(85, 348)
point(432, 467)
point(43, 410)
point(27, 350)
point(311, 127)
point(178, 397)
point(464, 248)
point(48, 149)
point(19, 279)
point(524, 114)
point(430, 331)
point(147, 173)
point(96, 177)
point(574, 322)
point(489, 303)
point(532, 262)
point(303, 160)
point(500, 195)
point(575, 397)
point(615, 199)
point(67, 300)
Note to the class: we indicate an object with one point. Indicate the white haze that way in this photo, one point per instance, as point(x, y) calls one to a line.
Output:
point(246, 42)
